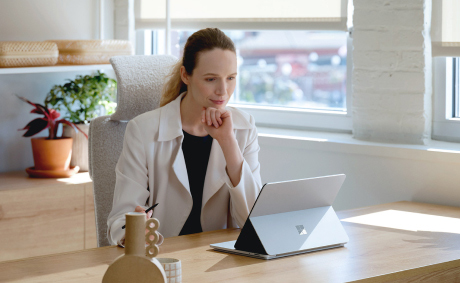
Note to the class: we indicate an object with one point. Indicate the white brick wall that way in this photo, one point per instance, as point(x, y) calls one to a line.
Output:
point(392, 71)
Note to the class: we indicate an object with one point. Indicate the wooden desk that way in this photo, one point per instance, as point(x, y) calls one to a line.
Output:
point(373, 251)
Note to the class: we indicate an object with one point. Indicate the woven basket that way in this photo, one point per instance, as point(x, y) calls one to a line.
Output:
point(28, 53)
point(83, 52)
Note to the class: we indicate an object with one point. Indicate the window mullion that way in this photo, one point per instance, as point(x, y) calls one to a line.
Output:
point(455, 86)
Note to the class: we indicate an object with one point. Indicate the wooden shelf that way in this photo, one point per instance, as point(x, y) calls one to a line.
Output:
point(53, 69)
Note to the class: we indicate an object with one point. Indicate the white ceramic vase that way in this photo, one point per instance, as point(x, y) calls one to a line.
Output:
point(79, 147)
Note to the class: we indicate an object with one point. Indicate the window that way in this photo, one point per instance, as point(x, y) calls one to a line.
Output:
point(294, 69)
point(455, 87)
point(446, 118)
point(445, 28)
point(292, 63)
point(445, 39)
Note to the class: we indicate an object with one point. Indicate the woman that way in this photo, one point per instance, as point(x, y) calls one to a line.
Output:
point(194, 156)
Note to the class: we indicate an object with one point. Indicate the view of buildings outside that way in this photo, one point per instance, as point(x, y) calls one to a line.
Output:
point(300, 69)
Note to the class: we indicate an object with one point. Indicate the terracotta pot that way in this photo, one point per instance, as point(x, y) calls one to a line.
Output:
point(52, 154)
point(79, 147)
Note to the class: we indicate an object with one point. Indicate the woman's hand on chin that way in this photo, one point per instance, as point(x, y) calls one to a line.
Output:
point(218, 123)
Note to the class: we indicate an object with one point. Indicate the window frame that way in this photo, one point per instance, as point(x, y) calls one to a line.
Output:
point(446, 127)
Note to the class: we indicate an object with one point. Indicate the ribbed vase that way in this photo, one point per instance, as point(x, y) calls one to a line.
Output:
point(134, 265)
point(79, 147)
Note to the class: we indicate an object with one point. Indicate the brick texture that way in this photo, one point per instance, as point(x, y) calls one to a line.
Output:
point(391, 71)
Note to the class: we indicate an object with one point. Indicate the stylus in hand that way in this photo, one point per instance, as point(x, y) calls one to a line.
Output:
point(150, 208)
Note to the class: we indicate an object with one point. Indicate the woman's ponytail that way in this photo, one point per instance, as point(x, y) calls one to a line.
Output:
point(173, 86)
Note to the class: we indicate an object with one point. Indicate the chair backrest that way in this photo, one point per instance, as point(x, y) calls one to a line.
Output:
point(140, 80)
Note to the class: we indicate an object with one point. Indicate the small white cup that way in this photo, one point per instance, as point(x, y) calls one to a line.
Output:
point(172, 269)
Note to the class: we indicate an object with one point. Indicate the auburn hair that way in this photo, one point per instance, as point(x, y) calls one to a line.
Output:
point(203, 40)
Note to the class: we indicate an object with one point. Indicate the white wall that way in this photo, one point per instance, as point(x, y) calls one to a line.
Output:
point(53, 19)
point(31, 20)
point(376, 172)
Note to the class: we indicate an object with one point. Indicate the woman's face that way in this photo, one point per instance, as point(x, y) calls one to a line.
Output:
point(214, 78)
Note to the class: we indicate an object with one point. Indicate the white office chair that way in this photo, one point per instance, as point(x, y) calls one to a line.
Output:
point(140, 80)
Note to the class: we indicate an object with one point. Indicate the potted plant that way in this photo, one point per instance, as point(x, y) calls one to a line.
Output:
point(51, 154)
point(81, 100)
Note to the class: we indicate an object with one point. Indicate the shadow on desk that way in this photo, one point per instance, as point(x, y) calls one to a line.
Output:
point(232, 261)
point(437, 240)
point(426, 239)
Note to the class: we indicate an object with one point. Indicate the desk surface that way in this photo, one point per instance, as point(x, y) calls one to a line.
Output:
point(383, 239)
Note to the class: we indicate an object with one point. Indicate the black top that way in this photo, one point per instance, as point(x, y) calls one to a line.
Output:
point(196, 153)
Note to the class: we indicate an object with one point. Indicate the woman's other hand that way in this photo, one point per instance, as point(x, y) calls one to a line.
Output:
point(218, 123)
point(148, 216)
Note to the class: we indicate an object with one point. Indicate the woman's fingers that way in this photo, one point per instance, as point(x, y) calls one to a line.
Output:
point(222, 115)
point(141, 209)
point(149, 214)
point(208, 116)
point(218, 116)
point(214, 114)
point(225, 114)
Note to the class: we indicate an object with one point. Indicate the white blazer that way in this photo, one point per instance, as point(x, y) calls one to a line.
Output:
point(151, 169)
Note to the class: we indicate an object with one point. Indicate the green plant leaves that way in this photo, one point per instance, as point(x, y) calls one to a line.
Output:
point(84, 98)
